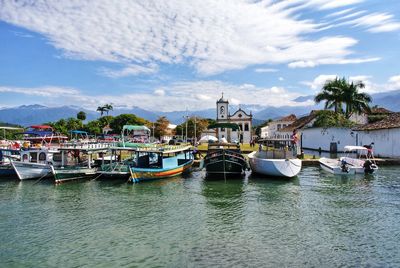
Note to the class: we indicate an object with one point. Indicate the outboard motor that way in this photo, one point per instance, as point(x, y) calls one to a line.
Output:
point(368, 167)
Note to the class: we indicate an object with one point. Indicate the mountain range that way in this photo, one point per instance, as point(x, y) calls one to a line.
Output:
point(27, 115)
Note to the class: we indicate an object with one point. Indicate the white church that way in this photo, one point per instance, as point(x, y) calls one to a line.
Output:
point(239, 117)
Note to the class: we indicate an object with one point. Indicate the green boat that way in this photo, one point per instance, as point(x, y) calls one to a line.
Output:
point(77, 161)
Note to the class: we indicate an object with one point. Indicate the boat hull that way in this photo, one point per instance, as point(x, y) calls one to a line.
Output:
point(275, 167)
point(69, 174)
point(333, 166)
point(222, 164)
point(28, 171)
point(7, 171)
point(145, 174)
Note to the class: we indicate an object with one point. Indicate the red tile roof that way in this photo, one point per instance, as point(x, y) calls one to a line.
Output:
point(291, 117)
point(392, 121)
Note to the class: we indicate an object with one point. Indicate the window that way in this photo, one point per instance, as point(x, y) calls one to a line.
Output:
point(42, 156)
point(241, 127)
point(240, 115)
point(222, 129)
point(246, 127)
point(279, 126)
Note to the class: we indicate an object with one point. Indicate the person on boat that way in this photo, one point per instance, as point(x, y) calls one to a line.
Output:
point(368, 167)
point(343, 166)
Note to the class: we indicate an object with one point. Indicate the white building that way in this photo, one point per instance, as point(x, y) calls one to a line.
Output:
point(274, 126)
point(385, 135)
point(239, 117)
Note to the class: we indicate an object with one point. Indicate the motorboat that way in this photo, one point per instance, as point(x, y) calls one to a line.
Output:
point(363, 163)
point(275, 157)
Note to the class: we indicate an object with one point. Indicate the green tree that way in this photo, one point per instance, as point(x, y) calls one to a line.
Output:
point(101, 109)
point(333, 94)
point(355, 101)
point(81, 116)
point(327, 118)
point(94, 127)
point(108, 107)
point(126, 119)
point(161, 127)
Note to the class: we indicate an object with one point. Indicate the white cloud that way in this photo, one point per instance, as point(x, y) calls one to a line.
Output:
point(375, 22)
point(281, 79)
point(319, 81)
point(265, 70)
point(394, 82)
point(211, 36)
point(46, 91)
point(313, 63)
point(130, 70)
point(195, 95)
point(159, 92)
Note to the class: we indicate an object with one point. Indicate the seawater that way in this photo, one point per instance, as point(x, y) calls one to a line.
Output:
point(314, 220)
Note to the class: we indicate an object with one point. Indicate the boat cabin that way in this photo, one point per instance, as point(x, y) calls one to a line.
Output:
point(276, 149)
point(41, 156)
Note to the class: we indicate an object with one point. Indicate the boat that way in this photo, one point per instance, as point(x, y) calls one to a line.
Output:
point(116, 163)
point(348, 165)
point(275, 157)
point(224, 159)
point(35, 163)
point(76, 161)
point(163, 162)
point(135, 136)
point(6, 169)
point(41, 135)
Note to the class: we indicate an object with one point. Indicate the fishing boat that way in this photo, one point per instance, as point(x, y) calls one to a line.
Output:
point(43, 135)
point(36, 163)
point(275, 157)
point(6, 169)
point(134, 136)
point(163, 162)
point(76, 161)
point(116, 163)
point(224, 159)
point(363, 163)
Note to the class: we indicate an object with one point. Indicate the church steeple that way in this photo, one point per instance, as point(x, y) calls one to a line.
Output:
point(222, 99)
point(222, 108)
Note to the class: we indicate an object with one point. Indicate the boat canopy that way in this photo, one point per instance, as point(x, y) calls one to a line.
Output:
point(135, 128)
point(37, 133)
point(224, 125)
point(78, 132)
point(41, 127)
point(354, 148)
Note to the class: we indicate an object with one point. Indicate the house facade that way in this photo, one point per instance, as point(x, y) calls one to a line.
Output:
point(239, 117)
point(273, 127)
point(385, 134)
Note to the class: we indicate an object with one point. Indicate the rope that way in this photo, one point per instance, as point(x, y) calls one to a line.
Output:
point(42, 177)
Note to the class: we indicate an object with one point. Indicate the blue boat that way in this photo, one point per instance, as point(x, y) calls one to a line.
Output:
point(6, 169)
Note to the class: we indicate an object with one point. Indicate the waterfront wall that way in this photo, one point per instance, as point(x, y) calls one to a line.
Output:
point(386, 141)
point(315, 138)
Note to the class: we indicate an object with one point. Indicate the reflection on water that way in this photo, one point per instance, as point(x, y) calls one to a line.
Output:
point(316, 219)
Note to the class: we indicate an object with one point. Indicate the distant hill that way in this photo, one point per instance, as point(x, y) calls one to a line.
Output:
point(26, 115)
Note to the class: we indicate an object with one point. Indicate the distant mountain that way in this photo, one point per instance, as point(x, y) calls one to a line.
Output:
point(389, 100)
point(26, 115)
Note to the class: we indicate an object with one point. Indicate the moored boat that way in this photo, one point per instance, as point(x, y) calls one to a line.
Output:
point(163, 162)
point(275, 158)
point(77, 161)
point(348, 165)
point(35, 163)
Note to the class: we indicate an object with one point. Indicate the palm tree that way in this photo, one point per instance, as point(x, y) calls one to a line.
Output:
point(339, 91)
point(355, 101)
point(101, 109)
point(81, 115)
point(108, 107)
point(332, 93)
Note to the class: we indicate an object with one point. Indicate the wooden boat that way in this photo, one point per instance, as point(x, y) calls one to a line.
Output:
point(163, 162)
point(77, 161)
point(275, 158)
point(348, 165)
point(35, 163)
point(43, 135)
point(224, 160)
point(6, 169)
point(116, 163)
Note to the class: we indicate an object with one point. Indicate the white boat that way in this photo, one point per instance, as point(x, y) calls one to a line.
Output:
point(35, 163)
point(275, 158)
point(348, 165)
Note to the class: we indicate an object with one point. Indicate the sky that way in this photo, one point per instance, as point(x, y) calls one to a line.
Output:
point(175, 55)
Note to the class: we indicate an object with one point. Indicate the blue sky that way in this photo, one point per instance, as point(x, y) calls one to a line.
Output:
point(172, 55)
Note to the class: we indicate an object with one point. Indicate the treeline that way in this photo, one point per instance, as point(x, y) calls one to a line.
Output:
point(160, 126)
